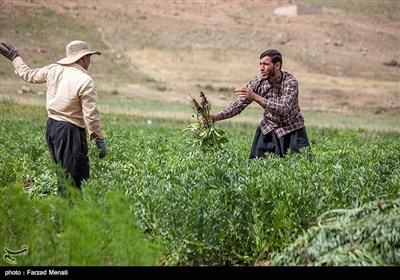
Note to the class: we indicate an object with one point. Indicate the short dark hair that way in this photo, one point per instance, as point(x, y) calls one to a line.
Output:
point(274, 55)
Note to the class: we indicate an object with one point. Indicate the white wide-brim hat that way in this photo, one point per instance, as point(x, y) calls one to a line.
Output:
point(75, 50)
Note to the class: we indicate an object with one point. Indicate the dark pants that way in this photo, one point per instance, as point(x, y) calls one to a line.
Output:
point(68, 147)
point(270, 143)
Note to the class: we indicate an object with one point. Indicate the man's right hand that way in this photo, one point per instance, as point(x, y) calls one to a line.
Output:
point(213, 118)
point(9, 51)
point(101, 144)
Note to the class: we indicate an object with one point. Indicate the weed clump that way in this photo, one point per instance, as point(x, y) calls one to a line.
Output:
point(203, 130)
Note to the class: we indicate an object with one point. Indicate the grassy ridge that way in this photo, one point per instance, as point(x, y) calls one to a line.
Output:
point(35, 31)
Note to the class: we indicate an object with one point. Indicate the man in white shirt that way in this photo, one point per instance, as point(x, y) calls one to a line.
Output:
point(71, 104)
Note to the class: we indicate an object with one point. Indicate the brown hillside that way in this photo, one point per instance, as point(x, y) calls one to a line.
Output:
point(338, 56)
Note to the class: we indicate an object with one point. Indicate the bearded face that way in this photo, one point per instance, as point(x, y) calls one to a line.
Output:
point(267, 68)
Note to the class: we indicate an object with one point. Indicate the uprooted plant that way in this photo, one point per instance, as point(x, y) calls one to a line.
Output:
point(204, 131)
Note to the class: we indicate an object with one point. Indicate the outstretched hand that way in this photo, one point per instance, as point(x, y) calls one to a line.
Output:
point(9, 51)
point(213, 118)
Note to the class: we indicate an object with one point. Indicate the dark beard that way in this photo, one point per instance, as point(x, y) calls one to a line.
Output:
point(270, 75)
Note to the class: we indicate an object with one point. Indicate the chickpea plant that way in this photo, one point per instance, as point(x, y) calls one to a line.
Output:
point(203, 130)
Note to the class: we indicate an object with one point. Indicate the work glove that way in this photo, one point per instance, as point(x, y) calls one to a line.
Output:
point(9, 51)
point(101, 144)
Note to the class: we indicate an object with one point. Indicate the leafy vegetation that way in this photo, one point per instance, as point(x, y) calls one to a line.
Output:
point(364, 236)
point(83, 231)
point(198, 208)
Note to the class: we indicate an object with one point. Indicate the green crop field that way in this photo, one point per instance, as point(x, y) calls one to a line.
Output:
point(158, 199)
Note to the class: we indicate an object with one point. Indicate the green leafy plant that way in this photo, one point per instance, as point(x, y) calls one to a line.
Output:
point(204, 131)
point(365, 236)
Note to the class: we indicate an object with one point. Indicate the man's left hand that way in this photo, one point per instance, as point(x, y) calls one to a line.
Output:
point(9, 51)
point(245, 93)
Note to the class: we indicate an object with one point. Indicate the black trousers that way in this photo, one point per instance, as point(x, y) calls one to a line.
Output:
point(68, 147)
point(270, 143)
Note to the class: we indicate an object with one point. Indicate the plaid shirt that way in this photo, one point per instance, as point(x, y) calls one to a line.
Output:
point(280, 103)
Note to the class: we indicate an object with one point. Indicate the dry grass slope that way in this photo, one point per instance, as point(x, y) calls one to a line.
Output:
point(164, 50)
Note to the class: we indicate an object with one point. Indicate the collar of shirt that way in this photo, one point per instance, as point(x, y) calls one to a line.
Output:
point(76, 65)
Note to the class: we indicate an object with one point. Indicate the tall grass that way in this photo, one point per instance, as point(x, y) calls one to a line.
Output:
point(83, 231)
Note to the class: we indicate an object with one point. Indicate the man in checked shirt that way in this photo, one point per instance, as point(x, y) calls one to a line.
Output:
point(276, 91)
